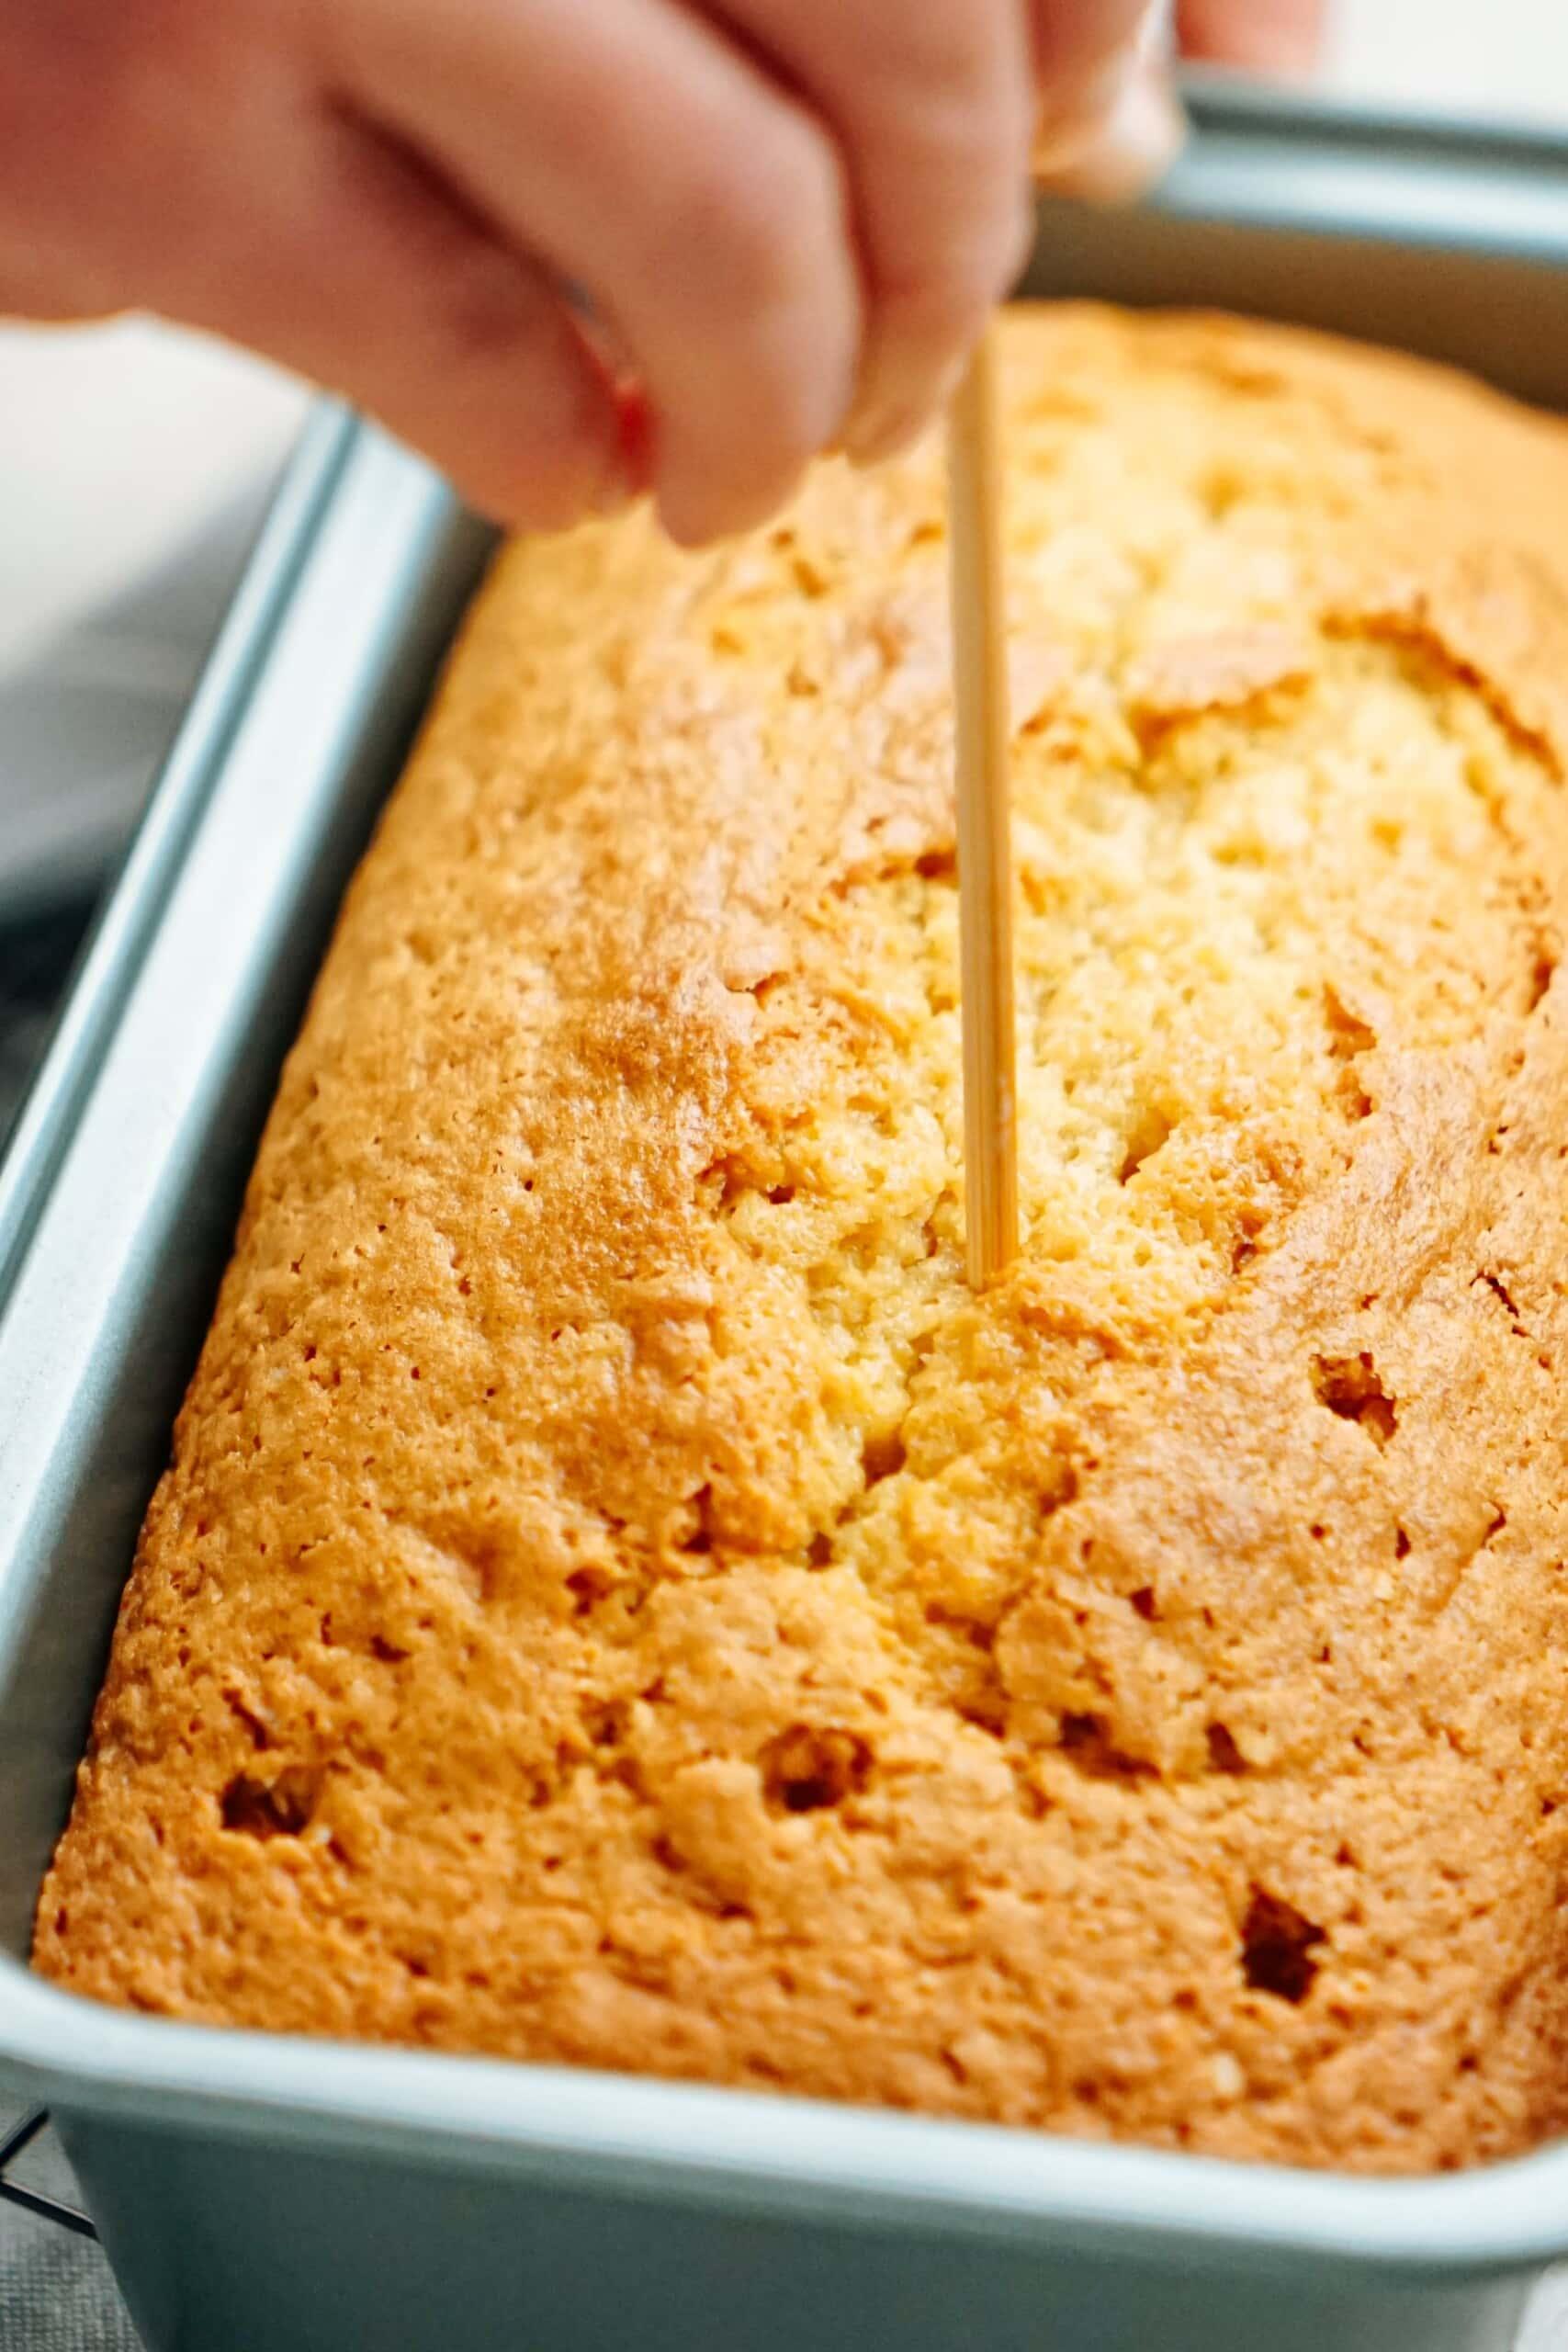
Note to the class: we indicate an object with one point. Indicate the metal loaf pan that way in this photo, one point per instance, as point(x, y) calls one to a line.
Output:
point(263, 2195)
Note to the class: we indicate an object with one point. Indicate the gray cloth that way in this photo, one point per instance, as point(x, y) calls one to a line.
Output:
point(56, 2294)
point(1546, 2325)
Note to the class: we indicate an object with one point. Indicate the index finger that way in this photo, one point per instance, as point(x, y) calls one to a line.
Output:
point(639, 153)
point(929, 101)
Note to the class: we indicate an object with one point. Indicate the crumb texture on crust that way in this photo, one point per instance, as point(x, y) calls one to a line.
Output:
point(619, 1599)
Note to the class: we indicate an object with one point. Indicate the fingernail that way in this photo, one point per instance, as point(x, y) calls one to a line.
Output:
point(887, 433)
point(1075, 123)
point(636, 435)
point(1135, 147)
point(631, 455)
point(894, 422)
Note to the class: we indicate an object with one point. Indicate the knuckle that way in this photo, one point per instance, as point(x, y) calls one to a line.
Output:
point(976, 152)
point(946, 115)
point(956, 46)
point(948, 183)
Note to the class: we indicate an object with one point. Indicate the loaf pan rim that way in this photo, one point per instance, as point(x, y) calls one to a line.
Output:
point(731, 2144)
point(737, 2147)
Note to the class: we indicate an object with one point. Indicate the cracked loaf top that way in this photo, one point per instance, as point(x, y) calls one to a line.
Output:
point(619, 1599)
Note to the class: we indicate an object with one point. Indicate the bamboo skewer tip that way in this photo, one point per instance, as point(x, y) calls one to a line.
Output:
point(985, 849)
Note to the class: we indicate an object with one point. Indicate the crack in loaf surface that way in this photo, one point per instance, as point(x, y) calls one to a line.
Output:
point(619, 1597)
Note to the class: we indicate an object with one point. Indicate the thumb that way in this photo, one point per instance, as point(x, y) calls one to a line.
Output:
point(1265, 36)
point(1108, 125)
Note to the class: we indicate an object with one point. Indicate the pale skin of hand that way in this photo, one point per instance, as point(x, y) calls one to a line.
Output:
point(790, 216)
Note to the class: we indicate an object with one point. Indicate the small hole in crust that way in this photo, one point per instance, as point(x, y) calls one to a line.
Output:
point(881, 1457)
point(810, 578)
point(1088, 1740)
point(1150, 1131)
point(807, 1768)
point(938, 866)
point(1348, 1038)
point(1348, 1034)
point(606, 1721)
point(588, 1585)
point(1350, 1388)
point(280, 1808)
point(1059, 1488)
point(1277, 1944)
point(1504, 1298)
point(700, 1542)
point(1224, 1755)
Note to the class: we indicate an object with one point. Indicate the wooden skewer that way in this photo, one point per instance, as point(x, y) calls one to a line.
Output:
point(984, 846)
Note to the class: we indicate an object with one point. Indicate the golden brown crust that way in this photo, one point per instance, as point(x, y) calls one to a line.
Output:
point(619, 1599)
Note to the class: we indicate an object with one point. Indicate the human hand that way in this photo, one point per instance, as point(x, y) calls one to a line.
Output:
point(791, 216)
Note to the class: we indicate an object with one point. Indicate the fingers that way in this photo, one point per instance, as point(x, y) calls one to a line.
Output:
point(700, 205)
point(772, 203)
point(466, 348)
point(929, 103)
point(227, 193)
point(1265, 36)
point(358, 270)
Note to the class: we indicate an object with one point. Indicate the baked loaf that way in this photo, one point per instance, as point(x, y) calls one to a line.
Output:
point(619, 1599)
